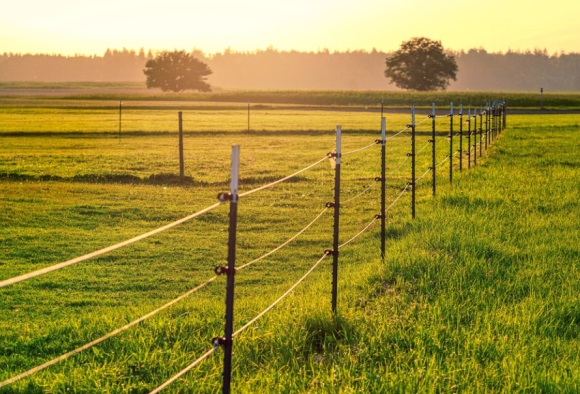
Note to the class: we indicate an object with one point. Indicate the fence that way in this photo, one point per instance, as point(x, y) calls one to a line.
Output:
point(483, 127)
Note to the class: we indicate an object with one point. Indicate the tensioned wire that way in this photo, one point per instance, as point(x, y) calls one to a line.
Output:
point(100, 252)
point(423, 148)
point(396, 135)
point(398, 197)
point(104, 250)
point(248, 324)
point(141, 237)
point(240, 330)
point(359, 149)
point(154, 312)
point(359, 233)
point(406, 128)
point(359, 194)
point(374, 143)
point(424, 175)
point(211, 351)
point(401, 164)
point(165, 306)
point(376, 217)
point(269, 185)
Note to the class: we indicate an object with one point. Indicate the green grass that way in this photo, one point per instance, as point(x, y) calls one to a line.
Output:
point(479, 293)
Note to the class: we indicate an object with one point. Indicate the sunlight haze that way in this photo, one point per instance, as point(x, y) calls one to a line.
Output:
point(89, 28)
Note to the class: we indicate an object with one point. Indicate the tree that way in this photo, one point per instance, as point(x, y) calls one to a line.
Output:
point(177, 71)
point(421, 64)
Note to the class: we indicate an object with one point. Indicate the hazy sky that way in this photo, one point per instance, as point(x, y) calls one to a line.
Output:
point(90, 27)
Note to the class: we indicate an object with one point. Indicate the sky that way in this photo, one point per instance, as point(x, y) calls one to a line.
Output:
point(89, 27)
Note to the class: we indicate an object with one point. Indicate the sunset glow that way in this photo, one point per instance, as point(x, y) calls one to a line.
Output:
point(85, 27)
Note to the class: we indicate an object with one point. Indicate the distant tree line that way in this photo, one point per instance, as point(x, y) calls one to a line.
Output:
point(274, 69)
point(114, 66)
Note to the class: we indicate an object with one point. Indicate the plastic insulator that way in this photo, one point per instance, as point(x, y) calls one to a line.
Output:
point(378, 216)
point(220, 341)
point(329, 252)
point(220, 270)
point(379, 142)
point(331, 155)
point(378, 179)
point(223, 197)
point(330, 205)
point(431, 141)
point(409, 154)
point(431, 116)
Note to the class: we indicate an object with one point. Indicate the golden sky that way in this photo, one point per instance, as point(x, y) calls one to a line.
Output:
point(90, 27)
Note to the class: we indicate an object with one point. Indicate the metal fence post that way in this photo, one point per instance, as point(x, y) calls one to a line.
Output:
point(494, 120)
point(460, 137)
point(451, 142)
point(469, 137)
point(480, 131)
point(383, 184)
point(486, 125)
point(432, 140)
point(503, 113)
point(499, 117)
point(412, 154)
point(181, 164)
point(230, 270)
point(120, 112)
point(336, 205)
point(475, 136)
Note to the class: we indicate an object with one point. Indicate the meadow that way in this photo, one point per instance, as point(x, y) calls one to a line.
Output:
point(478, 293)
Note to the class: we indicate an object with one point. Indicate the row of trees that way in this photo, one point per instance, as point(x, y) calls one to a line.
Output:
point(114, 66)
point(273, 69)
point(420, 64)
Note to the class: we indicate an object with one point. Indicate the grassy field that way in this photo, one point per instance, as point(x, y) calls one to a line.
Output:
point(397, 99)
point(479, 293)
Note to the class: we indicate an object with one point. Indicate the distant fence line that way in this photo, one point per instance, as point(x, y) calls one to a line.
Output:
point(492, 121)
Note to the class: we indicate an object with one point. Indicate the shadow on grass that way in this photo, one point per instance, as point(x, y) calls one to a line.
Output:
point(153, 179)
point(324, 333)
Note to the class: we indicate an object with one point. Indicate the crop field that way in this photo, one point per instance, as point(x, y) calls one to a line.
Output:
point(565, 100)
point(479, 293)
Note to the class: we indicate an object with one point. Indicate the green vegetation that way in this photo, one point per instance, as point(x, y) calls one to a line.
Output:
point(421, 64)
point(370, 99)
point(177, 71)
point(479, 293)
